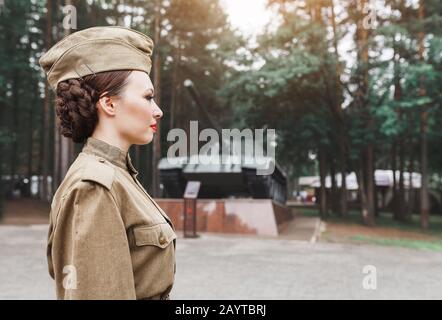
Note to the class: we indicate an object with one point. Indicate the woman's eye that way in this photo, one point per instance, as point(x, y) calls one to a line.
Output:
point(150, 98)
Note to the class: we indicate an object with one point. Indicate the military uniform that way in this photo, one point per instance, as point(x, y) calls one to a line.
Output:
point(108, 239)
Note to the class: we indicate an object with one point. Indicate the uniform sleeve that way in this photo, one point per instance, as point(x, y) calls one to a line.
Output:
point(90, 250)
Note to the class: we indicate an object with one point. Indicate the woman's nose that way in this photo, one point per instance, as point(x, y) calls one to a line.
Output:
point(157, 112)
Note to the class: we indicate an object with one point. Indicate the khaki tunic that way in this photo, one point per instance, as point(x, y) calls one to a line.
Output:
point(108, 239)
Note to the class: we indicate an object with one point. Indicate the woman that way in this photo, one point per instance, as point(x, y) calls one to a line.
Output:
point(108, 239)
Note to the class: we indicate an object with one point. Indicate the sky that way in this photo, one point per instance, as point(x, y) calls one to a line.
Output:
point(249, 16)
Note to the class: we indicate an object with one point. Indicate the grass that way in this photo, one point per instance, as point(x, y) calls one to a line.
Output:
point(385, 219)
point(432, 241)
point(406, 243)
point(308, 212)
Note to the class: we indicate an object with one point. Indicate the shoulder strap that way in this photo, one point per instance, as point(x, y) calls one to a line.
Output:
point(99, 171)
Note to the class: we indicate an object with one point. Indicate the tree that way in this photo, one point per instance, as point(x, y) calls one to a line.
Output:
point(423, 131)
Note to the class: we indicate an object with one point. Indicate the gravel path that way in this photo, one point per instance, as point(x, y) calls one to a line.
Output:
point(236, 267)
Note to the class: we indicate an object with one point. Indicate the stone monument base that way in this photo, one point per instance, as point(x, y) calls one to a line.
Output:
point(244, 216)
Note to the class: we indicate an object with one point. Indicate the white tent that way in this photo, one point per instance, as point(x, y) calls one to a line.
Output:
point(383, 178)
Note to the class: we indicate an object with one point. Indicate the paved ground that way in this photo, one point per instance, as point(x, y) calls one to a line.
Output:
point(236, 267)
point(301, 228)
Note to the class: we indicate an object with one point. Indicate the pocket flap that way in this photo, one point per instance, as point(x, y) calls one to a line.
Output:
point(159, 235)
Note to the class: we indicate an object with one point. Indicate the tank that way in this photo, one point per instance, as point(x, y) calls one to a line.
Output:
point(232, 180)
point(234, 177)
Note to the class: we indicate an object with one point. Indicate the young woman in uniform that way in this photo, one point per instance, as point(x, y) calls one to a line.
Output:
point(108, 239)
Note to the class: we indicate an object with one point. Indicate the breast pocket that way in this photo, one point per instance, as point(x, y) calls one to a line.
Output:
point(159, 235)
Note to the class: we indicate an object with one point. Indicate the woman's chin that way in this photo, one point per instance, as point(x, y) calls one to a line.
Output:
point(145, 139)
point(148, 138)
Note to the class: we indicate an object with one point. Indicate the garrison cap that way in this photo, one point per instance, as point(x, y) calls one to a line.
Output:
point(97, 49)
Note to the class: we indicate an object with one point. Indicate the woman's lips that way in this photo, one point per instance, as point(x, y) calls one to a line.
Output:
point(154, 127)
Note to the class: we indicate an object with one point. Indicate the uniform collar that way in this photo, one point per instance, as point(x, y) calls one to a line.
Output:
point(110, 153)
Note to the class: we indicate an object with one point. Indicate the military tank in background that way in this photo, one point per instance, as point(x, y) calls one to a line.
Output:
point(230, 178)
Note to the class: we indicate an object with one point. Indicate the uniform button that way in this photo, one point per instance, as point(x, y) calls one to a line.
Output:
point(162, 238)
point(101, 160)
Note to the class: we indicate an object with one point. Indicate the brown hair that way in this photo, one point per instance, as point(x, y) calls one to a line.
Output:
point(76, 100)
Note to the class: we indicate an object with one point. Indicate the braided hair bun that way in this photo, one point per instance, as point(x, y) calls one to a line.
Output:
point(76, 102)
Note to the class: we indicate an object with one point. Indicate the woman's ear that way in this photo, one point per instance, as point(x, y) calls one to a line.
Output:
point(106, 104)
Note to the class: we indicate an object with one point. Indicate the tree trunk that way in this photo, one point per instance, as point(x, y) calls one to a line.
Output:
point(399, 213)
point(370, 185)
point(44, 160)
point(363, 103)
point(56, 169)
point(66, 144)
point(410, 204)
point(14, 152)
point(334, 191)
point(343, 193)
point(157, 81)
point(393, 168)
point(425, 203)
point(340, 123)
point(175, 85)
point(401, 194)
point(322, 190)
point(366, 217)
point(3, 132)
point(30, 143)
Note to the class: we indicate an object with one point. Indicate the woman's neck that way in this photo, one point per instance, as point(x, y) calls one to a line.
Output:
point(111, 139)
